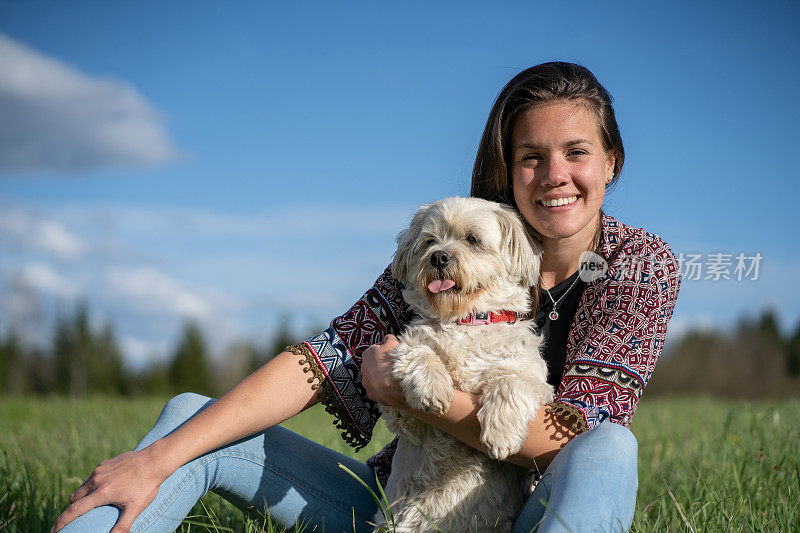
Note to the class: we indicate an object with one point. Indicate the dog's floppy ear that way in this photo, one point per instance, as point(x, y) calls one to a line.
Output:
point(405, 245)
point(523, 252)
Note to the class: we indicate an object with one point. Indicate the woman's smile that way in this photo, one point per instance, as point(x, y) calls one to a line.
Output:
point(553, 204)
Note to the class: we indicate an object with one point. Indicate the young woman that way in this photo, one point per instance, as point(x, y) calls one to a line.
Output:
point(551, 148)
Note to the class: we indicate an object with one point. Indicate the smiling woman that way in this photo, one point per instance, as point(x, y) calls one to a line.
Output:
point(552, 145)
point(550, 148)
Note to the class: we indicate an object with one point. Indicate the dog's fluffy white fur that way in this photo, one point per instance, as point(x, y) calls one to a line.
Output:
point(493, 263)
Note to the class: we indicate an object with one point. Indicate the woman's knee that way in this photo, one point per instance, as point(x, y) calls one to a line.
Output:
point(182, 407)
point(608, 446)
point(617, 438)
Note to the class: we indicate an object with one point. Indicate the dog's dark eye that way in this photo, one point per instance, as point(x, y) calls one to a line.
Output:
point(472, 239)
point(430, 242)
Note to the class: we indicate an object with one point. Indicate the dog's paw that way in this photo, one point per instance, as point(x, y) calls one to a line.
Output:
point(503, 430)
point(426, 384)
point(500, 446)
point(509, 403)
point(433, 392)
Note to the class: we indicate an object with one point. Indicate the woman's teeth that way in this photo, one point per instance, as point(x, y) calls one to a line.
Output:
point(560, 201)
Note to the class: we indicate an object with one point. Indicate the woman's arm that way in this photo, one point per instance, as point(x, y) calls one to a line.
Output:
point(273, 393)
point(547, 434)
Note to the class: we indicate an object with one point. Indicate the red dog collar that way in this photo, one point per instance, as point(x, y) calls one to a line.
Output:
point(490, 317)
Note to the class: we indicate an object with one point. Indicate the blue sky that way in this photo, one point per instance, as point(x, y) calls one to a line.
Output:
point(238, 162)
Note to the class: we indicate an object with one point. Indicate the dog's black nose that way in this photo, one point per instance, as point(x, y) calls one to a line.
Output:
point(439, 259)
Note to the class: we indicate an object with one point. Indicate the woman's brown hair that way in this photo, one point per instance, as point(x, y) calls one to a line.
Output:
point(543, 83)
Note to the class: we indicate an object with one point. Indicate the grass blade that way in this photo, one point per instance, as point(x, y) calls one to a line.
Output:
point(683, 516)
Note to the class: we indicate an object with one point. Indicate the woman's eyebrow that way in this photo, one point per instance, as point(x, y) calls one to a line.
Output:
point(535, 146)
point(577, 141)
point(528, 145)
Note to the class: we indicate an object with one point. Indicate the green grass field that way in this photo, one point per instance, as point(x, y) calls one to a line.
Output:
point(704, 465)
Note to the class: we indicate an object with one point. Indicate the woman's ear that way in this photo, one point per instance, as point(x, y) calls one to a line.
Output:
point(611, 163)
point(523, 252)
point(405, 245)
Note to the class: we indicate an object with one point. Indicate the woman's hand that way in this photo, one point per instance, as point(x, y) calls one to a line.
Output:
point(376, 374)
point(128, 481)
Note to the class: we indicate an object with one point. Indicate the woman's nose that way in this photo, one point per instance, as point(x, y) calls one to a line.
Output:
point(555, 172)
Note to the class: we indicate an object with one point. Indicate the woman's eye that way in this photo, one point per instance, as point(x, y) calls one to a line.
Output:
point(531, 157)
point(472, 239)
point(576, 152)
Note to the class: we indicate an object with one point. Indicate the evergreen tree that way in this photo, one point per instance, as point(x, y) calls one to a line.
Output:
point(189, 371)
point(85, 361)
point(71, 346)
point(5, 363)
point(283, 337)
point(107, 373)
point(768, 328)
point(39, 373)
point(257, 358)
point(154, 380)
point(11, 364)
point(793, 353)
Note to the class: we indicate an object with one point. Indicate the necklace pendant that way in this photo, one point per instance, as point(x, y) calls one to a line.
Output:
point(553, 315)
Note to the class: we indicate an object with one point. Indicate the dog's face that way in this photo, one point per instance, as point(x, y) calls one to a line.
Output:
point(464, 255)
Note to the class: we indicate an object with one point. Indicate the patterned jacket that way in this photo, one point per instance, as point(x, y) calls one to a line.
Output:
point(613, 344)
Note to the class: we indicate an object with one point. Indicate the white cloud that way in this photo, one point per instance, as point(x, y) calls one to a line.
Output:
point(290, 221)
point(58, 118)
point(157, 292)
point(25, 229)
point(44, 278)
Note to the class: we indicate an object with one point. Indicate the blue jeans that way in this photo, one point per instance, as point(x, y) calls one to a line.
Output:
point(589, 486)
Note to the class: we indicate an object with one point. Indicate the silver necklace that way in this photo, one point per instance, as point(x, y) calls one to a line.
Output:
point(553, 315)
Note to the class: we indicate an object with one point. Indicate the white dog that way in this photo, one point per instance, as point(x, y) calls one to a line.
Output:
point(467, 265)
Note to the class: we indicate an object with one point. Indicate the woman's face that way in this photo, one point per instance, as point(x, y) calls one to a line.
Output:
point(558, 154)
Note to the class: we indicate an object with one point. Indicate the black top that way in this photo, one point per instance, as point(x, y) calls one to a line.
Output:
point(555, 331)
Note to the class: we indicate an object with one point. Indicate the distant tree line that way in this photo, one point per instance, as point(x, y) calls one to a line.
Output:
point(752, 361)
point(81, 360)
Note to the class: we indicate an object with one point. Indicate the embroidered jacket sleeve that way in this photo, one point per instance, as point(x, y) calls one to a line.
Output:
point(619, 330)
point(334, 356)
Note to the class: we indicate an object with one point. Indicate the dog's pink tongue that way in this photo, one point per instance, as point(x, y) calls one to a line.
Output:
point(440, 285)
